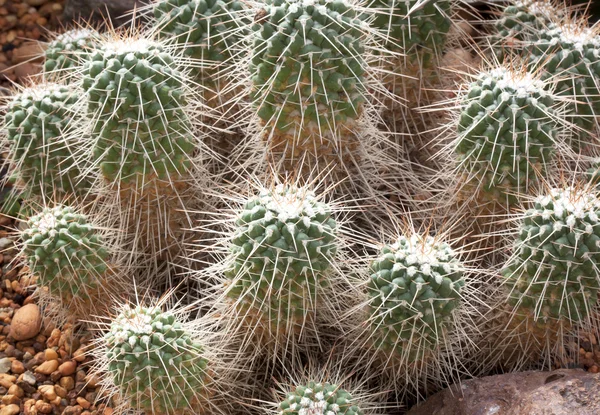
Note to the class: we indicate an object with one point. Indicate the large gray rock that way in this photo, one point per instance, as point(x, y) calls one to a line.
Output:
point(98, 11)
point(562, 392)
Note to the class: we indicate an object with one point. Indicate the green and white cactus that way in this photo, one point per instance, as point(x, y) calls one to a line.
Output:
point(414, 290)
point(44, 129)
point(67, 51)
point(319, 398)
point(156, 362)
point(507, 135)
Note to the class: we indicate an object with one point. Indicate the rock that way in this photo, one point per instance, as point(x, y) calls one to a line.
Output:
point(43, 407)
point(99, 10)
point(67, 382)
point(27, 70)
point(29, 378)
point(5, 365)
point(562, 392)
point(67, 368)
point(50, 354)
point(83, 403)
point(17, 367)
point(28, 52)
point(48, 392)
point(47, 367)
point(10, 410)
point(6, 381)
point(26, 322)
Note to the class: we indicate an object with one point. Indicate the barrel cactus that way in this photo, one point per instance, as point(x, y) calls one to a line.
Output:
point(69, 50)
point(282, 250)
point(156, 362)
point(319, 398)
point(70, 258)
point(414, 290)
point(308, 80)
point(507, 135)
point(44, 128)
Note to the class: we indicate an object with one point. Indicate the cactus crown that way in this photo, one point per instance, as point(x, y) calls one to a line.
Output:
point(137, 100)
point(506, 133)
point(413, 291)
point(284, 244)
point(553, 274)
point(155, 362)
point(65, 252)
point(69, 49)
point(319, 399)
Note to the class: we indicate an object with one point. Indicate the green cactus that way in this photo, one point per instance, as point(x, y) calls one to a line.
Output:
point(282, 249)
point(43, 125)
point(137, 101)
point(319, 398)
point(68, 255)
point(156, 362)
point(553, 274)
point(308, 82)
point(569, 55)
point(414, 289)
point(507, 131)
point(69, 50)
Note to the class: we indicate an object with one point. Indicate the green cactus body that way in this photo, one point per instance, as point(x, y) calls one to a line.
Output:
point(319, 398)
point(136, 98)
point(283, 247)
point(414, 289)
point(553, 276)
point(156, 363)
point(506, 135)
point(308, 78)
point(69, 50)
point(43, 125)
point(571, 55)
point(67, 255)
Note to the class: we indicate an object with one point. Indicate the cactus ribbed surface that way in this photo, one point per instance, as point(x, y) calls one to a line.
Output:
point(43, 125)
point(319, 398)
point(308, 78)
point(282, 248)
point(507, 133)
point(157, 364)
point(553, 276)
point(414, 289)
point(69, 50)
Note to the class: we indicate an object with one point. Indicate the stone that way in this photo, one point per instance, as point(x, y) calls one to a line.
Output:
point(67, 368)
point(50, 354)
point(26, 322)
point(67, 382)
point(25, 71)
point(47, 367)
point(83, 403)
point(6, 381)
point(43, 407)
point(561, 392)
point(28, 52)
point(5, 365)
point(99, 10)
point(17, 367)
point(29, 378)
point(47, 392)
point(10, 410)
point(16, 390)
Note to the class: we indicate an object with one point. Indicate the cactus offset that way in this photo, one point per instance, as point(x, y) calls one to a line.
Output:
point(67, 51)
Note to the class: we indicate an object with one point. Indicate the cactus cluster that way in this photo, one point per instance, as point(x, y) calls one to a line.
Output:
point(273, 245)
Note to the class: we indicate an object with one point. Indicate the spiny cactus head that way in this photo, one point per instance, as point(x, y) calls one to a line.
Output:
point(156, 363)
point(553, 273)
point(283, 245)
point(42, 122)
point(69, 50)
point(66, 252)
point(319, 398)
point(521, 19)
point(137, 101)
point(414, 289)
point(507, 134)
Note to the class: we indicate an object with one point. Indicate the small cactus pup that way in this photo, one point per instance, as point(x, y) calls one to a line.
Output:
point(210, 33)
point(319, 398)
point(142, 136)
point(44, 124)
point(280, 271)
point(508, 135)
point(309, 88)
point(569, 55)
point(73, 259)
point(154, 360)
point(66, 52)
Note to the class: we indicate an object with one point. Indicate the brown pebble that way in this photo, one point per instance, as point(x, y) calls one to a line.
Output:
point(60, 391)
point(108, 411)
point(6, 380)
point(92, 381)
point(67, 368)
point(28, 52)
point(47, 392)
point(73, 410)
point(83, 403)
point(10, 410)
point(47, 367)
point(17, 367)
point(79, 355)
point(26, 322)
point(16, 390)
point(29, 403)
point(50, 354)
point(27, 70)
point(67, 382)
point(594, 369)
point(43, 407)
point(10, 399)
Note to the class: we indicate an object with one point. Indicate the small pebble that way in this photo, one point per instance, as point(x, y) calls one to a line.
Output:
point(5, 365)
point(47, 367)
point(43, 407)
point(67, 368)
point(26, 322)
point(29, 378)
point(83, 403)
point(10, 410)
point(17, 367)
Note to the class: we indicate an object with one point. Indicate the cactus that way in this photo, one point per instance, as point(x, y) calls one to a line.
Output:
point(507, 135)
point(282, 250)
point(43, 125)
point(69, 257)
point(308, 84)
point(156, 362)
point(69, 50)
point(319, 398)
point(414, 290)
